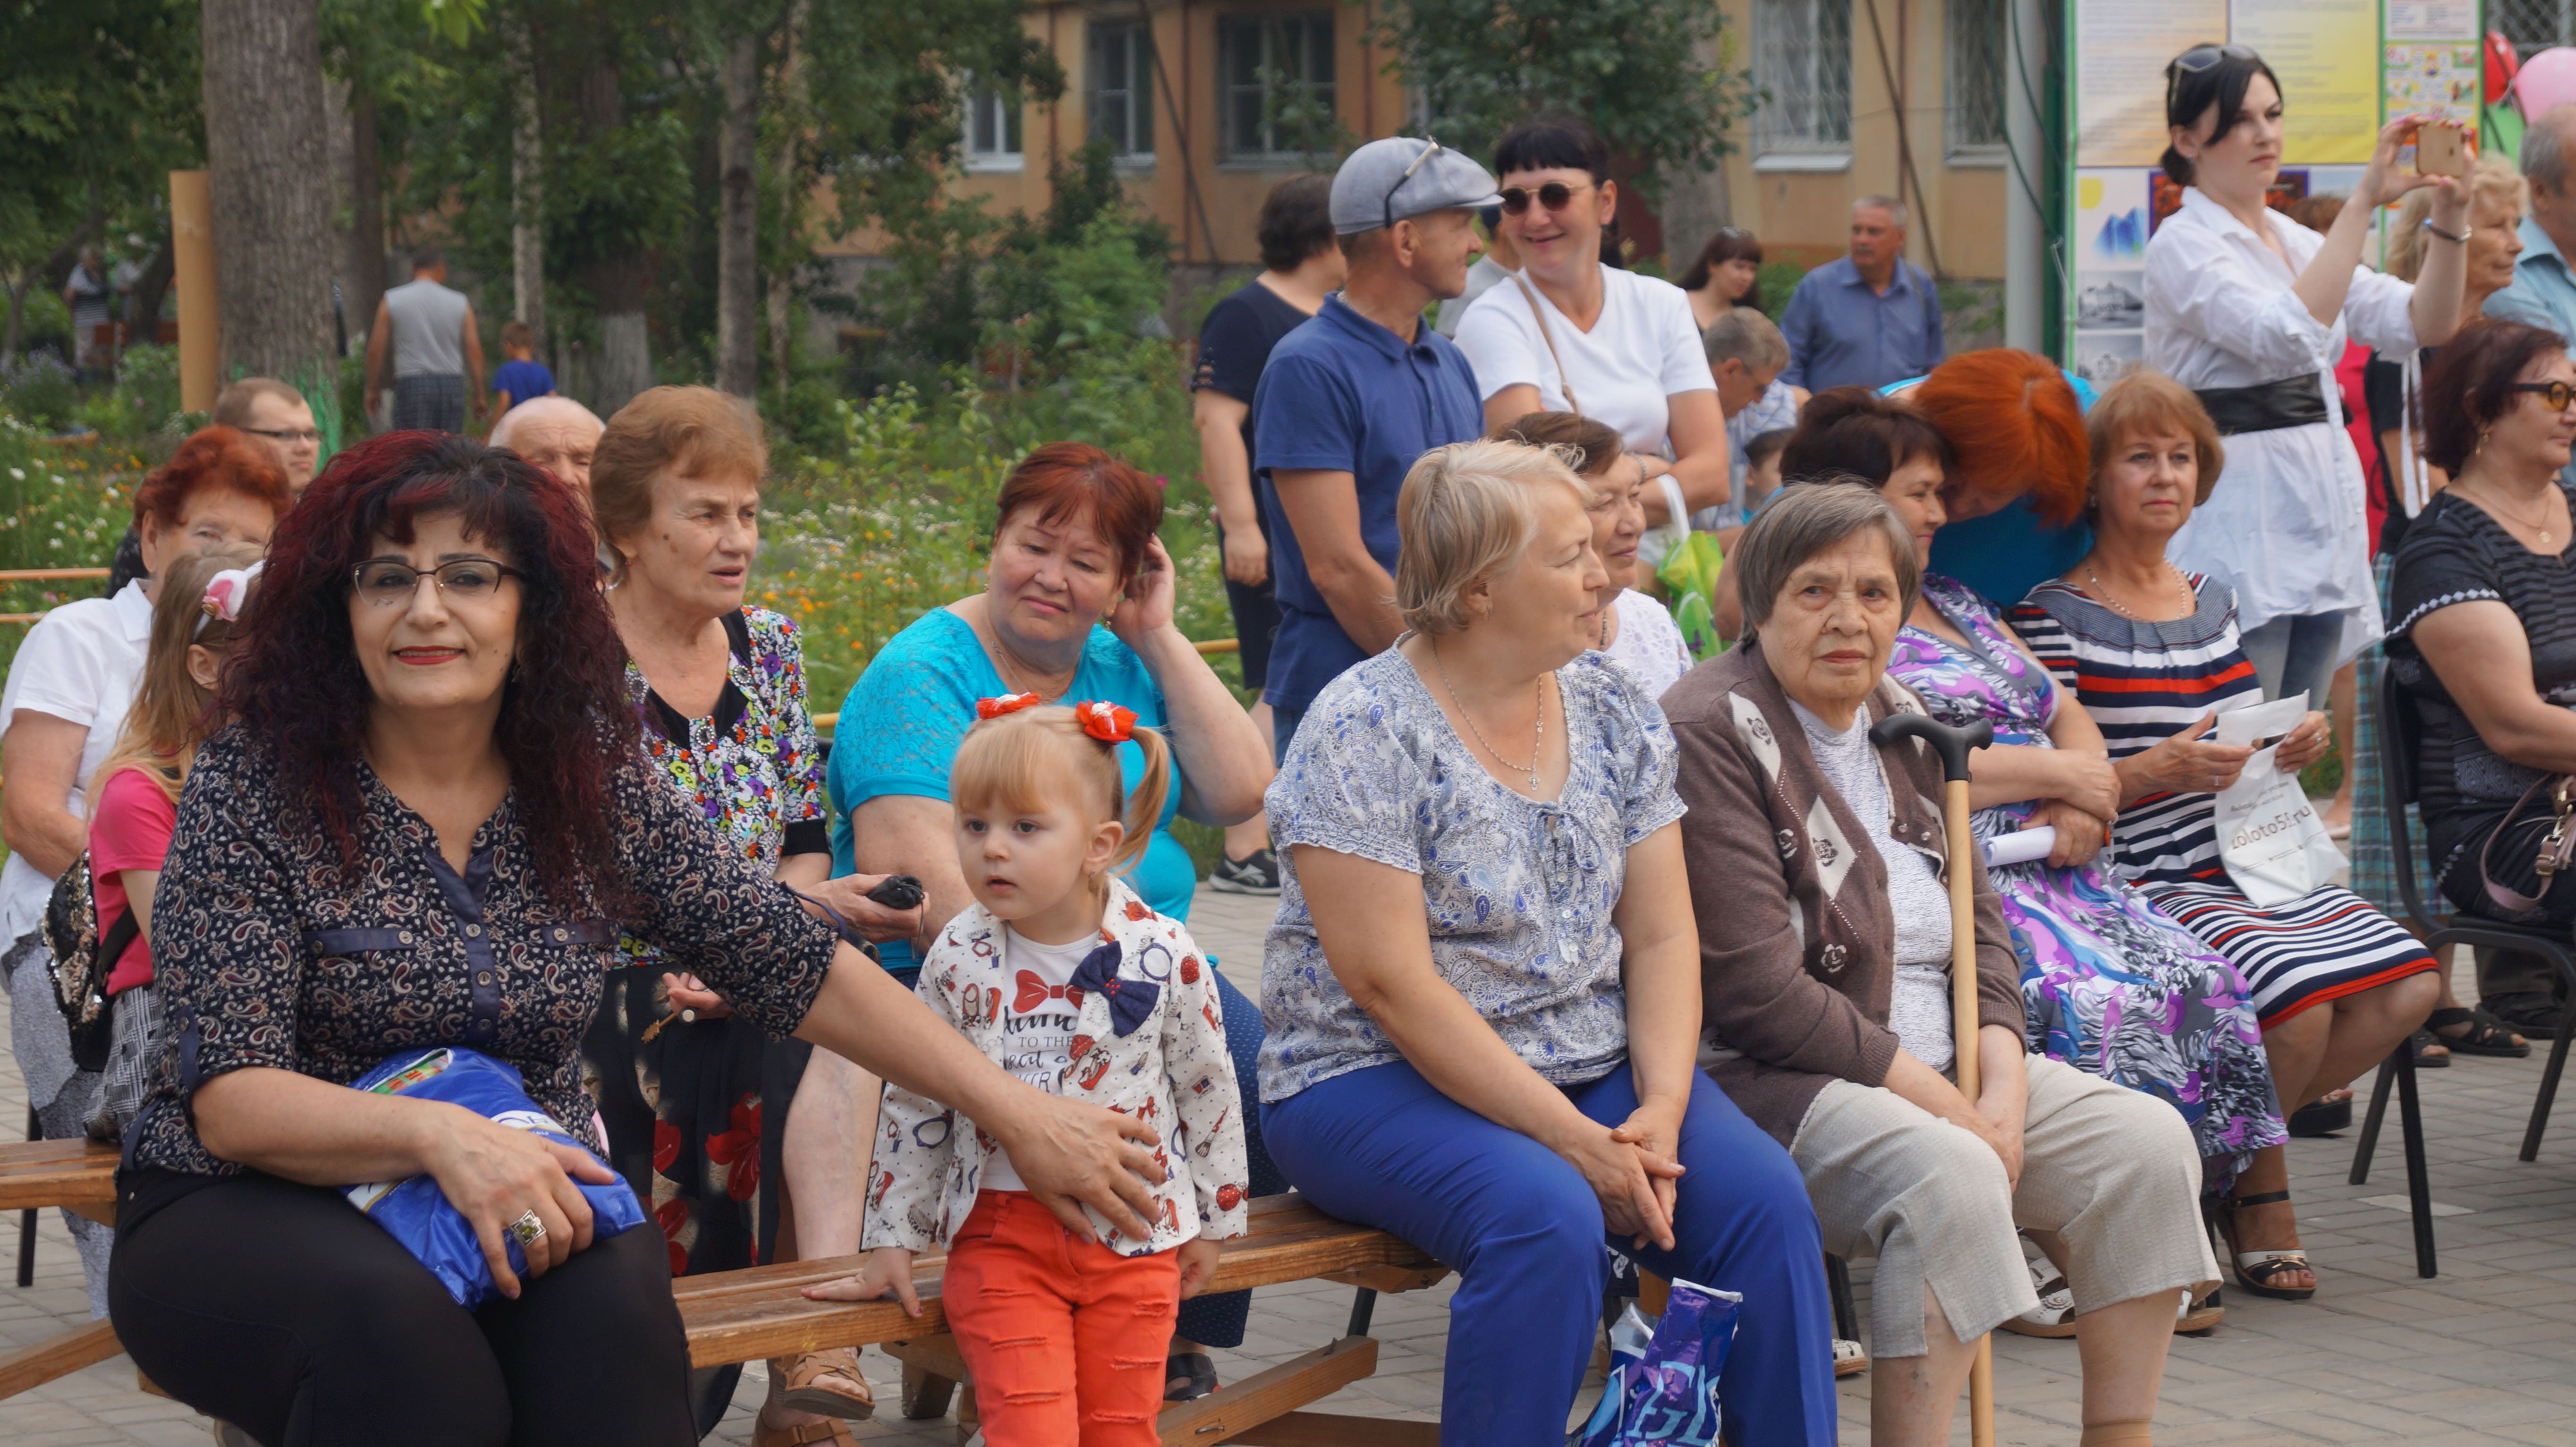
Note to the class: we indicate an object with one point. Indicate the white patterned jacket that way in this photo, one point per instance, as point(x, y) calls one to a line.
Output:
point(1170, 1070)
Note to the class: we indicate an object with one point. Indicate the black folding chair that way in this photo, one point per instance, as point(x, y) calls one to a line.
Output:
point(2399, 736)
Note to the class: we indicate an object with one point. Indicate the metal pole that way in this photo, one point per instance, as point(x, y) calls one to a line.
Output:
point(2026, 274)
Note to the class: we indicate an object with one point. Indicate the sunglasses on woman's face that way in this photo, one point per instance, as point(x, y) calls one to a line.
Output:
point(1554, 196)
point(2558, 395)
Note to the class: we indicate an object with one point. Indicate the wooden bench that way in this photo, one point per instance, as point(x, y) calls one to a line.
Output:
point(79, 1176)
point(750, 1315)
point(738, 1316)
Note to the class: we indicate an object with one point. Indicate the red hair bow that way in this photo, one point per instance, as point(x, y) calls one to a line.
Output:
point(1106, 722)
point(1007, 703)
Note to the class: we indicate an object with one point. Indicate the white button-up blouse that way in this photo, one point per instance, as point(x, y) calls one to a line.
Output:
point(2286, 525)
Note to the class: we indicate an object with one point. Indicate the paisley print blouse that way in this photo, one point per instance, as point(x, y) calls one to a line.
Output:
point(1518, 893)
point(269, 955)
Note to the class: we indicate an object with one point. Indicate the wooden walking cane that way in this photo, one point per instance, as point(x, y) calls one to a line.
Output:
point(1954, 746)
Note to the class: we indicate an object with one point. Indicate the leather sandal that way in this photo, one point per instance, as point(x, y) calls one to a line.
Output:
point(2486, 1034)
point(830, 1429)
point(2054, 1317)
point(1194, 1371)
point(826, 1383)
point(2255, 1269)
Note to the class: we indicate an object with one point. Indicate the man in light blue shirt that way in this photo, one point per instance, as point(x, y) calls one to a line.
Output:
point(1869, 318)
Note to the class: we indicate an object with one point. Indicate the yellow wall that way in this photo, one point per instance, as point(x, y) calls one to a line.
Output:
point(1959, 211)
point(1960, 208)
point(1370, 104)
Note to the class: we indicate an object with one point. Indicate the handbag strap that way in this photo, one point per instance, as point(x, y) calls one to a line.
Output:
point(1564, 379)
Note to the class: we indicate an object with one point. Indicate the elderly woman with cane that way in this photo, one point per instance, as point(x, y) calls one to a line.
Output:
point(1826, 904)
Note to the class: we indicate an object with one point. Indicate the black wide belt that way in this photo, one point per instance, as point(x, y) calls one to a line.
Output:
point(2266, 406)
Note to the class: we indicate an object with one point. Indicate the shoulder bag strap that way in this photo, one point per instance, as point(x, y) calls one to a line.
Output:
point(1538, 314)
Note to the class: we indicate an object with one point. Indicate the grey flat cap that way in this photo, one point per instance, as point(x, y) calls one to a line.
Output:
point(1372, 190)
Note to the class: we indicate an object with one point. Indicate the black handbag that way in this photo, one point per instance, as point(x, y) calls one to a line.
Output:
point(82, 961)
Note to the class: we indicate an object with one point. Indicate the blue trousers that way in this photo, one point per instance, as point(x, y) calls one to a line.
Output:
point(1217, 1321)
point(1383, 1147)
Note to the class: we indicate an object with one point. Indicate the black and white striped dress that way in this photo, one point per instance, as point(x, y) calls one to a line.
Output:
point(2145, 682)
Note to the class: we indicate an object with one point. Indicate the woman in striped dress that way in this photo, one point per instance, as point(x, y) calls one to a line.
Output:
point(2154, 654)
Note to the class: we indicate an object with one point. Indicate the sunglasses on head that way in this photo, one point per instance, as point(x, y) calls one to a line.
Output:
point(2558, 395)
point(2199, 60)
point(1554, 196)
point(1428, 152)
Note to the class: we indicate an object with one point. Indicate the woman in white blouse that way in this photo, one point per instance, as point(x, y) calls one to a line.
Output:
point(1570, 334)
point(2251, 311)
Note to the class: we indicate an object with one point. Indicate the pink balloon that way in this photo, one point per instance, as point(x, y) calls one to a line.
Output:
point(2547, 80)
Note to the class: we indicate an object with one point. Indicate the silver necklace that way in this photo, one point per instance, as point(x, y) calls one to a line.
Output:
point(2103, 593)
point(1538, 745)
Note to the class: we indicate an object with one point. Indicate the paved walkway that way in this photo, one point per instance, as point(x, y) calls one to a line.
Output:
point(2485, 1354)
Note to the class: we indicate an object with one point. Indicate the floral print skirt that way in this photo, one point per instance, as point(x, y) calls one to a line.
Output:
point(2116, 989)
point(695, 1118)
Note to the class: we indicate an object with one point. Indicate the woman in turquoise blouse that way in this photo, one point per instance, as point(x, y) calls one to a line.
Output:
point(1077, 604)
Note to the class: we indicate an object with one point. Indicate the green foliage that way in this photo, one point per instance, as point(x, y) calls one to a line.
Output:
point(38, 389)
point(1652, 77)
point(1030, 299)
point(98, 98)
point(62, 505)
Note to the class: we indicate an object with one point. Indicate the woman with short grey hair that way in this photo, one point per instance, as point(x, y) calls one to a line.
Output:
point(1818, 875)
point(1482, 991)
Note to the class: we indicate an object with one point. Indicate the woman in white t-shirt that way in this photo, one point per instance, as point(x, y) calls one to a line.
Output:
point(1570, 334)
point(1636, 632)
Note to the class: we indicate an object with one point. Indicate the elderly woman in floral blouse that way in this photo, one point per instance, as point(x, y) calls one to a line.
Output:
point(1482, 993)
point(706, 1115)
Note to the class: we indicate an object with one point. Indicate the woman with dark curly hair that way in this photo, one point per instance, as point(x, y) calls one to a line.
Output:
point(427, 828)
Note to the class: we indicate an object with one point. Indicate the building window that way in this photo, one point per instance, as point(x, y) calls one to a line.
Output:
point(992, 129)
point(1802, 60)
point(1277, 72)
point(1980, 37)
point(1122, 89)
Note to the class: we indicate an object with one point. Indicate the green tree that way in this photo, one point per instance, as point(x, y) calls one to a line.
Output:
point(1648, 74)
point(98, 102)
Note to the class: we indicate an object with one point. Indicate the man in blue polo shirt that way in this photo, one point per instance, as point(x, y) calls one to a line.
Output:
point(1351, 398)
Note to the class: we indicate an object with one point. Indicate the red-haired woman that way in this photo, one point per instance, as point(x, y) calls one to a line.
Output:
point(2110, 984)
point(67, 694)
point(1077, 603)
point(428, 827)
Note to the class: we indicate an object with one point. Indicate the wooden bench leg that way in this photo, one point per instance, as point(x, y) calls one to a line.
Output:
point(59, 1357)
point(1258, 1401)
point(925, 1393)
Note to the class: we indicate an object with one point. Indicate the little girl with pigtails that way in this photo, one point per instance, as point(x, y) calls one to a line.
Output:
point(1066, 979)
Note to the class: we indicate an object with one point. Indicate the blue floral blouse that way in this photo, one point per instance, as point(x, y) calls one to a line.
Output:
point(1518, 893)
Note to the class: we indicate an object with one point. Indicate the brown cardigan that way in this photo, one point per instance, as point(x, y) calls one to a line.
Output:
point(1796, 937)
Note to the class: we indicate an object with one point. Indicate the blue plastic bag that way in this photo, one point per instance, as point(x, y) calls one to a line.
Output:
point(414, 1210)
point(1663, 1378)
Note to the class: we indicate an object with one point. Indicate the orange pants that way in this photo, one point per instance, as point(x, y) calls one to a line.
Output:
point(1066, 1338)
